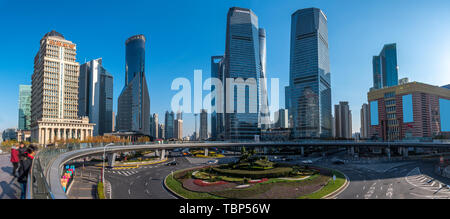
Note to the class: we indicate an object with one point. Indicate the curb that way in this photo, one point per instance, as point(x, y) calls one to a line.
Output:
point(340, 190)
point(171, 191)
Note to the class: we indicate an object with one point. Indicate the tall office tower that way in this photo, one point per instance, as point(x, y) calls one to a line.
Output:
point(309, 78)
point(343, 120)
point(264, 120)
point(95, 96)
point(54, 92)
point(364, 121)
point(154, 126)
point(168, 125)
point(161, 131)
point(282, 119)
point(242, 61)
point(217, 114)
point(24, 107)
point(204, 125)
point(113, 128)
point(178, 129)
point(385, 68)
point(134, 101)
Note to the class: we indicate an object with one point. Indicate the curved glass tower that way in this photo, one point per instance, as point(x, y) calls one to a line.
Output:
point(134, 101)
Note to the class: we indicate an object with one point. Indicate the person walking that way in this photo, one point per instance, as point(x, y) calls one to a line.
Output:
point(14, 159)
point(24, 169)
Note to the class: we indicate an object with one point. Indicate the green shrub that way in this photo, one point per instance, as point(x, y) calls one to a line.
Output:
point(255, 174)
point(100, 192)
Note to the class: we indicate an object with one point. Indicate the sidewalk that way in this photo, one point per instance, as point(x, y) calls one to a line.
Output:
point(9, 187)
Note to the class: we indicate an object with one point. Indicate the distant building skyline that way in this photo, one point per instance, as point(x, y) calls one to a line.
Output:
point(343, 120)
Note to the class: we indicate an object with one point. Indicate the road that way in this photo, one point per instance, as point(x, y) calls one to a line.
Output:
point(145, 182)
point(399, 180)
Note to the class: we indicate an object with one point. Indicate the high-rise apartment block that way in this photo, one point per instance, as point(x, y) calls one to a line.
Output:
point(364, 121)
point(54, 92)
point(343, 120)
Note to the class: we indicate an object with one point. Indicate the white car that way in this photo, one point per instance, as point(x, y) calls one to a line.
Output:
point(307, 162)
point(212, 161)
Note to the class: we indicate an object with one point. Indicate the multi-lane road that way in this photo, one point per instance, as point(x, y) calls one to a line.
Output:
point(395, 180)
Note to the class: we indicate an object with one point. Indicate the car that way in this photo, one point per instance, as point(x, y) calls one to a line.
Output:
point(307, 162)
point(212, 161)
point(173, 163)
point(338, 162)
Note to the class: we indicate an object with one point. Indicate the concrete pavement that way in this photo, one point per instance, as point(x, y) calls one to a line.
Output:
point(9, 187)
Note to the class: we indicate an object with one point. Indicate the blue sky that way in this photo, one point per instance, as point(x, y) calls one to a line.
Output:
point(183, 35)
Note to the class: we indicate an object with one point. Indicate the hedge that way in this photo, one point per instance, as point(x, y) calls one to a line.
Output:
point(271, 173)
point(100, 192)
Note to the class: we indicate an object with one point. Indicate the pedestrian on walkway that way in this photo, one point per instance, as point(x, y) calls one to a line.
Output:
point(22, 149)
point(24, 169)
point(14, 159)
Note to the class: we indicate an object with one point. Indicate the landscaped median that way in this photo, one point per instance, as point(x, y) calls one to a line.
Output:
point(100, 191)
point(133, 165)
point(189, 184)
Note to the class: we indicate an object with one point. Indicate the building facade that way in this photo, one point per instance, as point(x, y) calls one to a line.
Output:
point(134, 101)
point(309, 78)
point(161, 131)
point(364, 131)
point(204, 125)
point(178, 129)
point(243, 65)
point(217, 104)
point(343, 120)
point(282, 119)
point(95, 96)
point(9, 134)
point(24, 107)
point(54, 93)
point(409, 111)
point(154, 126)
point(168, 125)
point(385, 68)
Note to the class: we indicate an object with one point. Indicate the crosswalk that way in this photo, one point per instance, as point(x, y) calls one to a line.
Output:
point(123, 172)
point(437, 188)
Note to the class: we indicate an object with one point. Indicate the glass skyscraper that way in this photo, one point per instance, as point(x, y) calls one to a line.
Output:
point(95, 96)
point(134, 101)
point(169, 120)
point(24, 107)
point(385, 69)
point(217, 71)
point(242, 61)
point(309, 79)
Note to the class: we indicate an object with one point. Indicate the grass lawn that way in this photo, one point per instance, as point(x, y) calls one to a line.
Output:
point(329, 188)
point(177, 187)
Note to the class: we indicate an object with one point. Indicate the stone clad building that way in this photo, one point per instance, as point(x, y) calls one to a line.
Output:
point(54, 93)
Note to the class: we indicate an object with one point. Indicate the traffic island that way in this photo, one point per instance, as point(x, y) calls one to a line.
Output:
point(255, 178)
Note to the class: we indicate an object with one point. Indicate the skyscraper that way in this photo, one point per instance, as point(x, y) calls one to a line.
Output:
point(204, 125)
point(309, 78)
point(343, 120)
point(168, 125)
point(54, 92)
point(217, 114)
point(24, 107)
point(95, 97)
point(178, 129)
point(154, 126)
point(161, 131)
point(134, 101)
point(365, 121)
point(242, 61)
point(385, 68)
point(282, 119)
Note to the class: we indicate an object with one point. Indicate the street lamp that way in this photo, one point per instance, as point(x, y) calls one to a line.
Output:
point(103, 168)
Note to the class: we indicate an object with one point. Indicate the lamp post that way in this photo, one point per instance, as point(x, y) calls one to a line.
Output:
point(104, 155)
